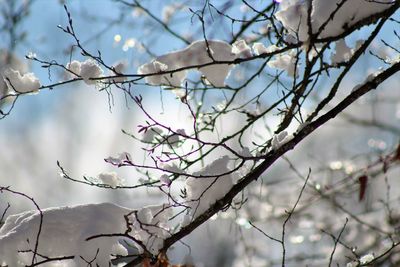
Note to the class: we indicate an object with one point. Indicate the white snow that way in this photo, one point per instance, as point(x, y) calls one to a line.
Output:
point(369, 78)
point(293, 15)
point(341, 53)
point(150, 226)
point(245, 152)
point(259, 48)
point(241, 49)
point(366, 258)
point(65, 230)
point(26, 83)
point(119, 68)
point(203, 192)
point(195, 54)
point(151, 133)
point(110, 178)
point(9, 60)
point(90, 69)
point(285, 61)
point(86, 70)
point(172, 167)
point(173, 140)
point(120, 159)
point(279, 139)
point(164, 179)
point(363, 260)
point(75, 67)
point(64, 233)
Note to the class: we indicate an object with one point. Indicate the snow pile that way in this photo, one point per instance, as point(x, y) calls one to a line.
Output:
point(150, 226)
point(64, 233)
point(110, 178)
point(369, 78)
point(279, 139)
point(293, 15)
point(86, 70)
point(195, 54)
point(363, 260)
point(120, 159)
point(202, 192)
point(241, 49)
point(165, 180)
point(75, 68)
point(174, 139)
point(26, 83)
point(259, 48)
point(285, 61)
point(367, 258)
point(342, 52)
point(8, 60)
point(172, 168)
point(119, 68)
point(90, 69)
point(151, 133)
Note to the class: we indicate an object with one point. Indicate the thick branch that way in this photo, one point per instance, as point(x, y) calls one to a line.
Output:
point(272, 156)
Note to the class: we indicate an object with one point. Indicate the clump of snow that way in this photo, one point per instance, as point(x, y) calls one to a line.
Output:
point(165, 180)
point(26, 83)
point(369, 78)
point(71, 225)
point(119, 68)
point(195, 54)
point(259, 48)
point(285, 61)
point(75, 225)
point(173, 139)
point(151, 133)
point(279, 139)
point(245, 152)
point(120, 159)
point(342, 52)
point(90, 69)
point(118, 249)
point(366, 259)
point(75, 67)
point(150, 226)
point(241, 49)
point(87, 70)
point(110, 178)
point(363, 260)
point(293, 15)
point(8, 60)
point(202, 192)
point(159, 67)
point(173, 168)
point(302, 125)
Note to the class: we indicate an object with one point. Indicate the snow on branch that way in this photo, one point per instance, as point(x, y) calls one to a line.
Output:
point(83, 232)
point(328, 18)
point(196, 54)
